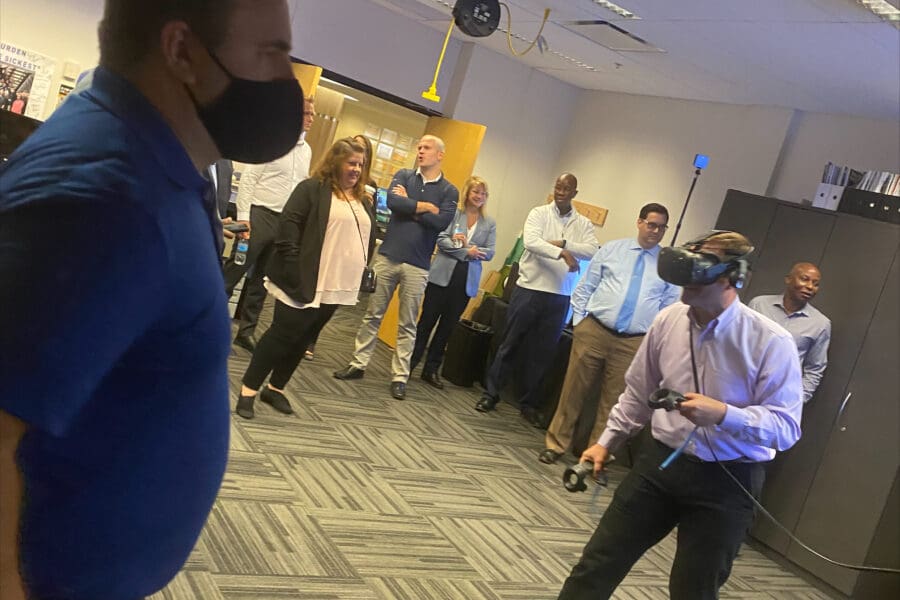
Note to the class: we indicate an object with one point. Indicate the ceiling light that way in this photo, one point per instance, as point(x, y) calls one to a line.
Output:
point(343, 85)
point(622, 12)
point(883, 10)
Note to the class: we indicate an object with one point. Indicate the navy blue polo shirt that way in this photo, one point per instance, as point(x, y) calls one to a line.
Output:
point(114, 346)
point(410, 237)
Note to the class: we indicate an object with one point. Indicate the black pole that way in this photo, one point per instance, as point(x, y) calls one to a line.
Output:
point(684, 210)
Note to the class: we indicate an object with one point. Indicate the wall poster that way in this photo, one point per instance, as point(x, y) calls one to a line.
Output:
point(24, 80)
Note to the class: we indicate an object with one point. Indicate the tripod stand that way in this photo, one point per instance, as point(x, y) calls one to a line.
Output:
point(684, 209)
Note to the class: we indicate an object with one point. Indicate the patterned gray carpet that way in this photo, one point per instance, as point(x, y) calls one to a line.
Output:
point(359, 496)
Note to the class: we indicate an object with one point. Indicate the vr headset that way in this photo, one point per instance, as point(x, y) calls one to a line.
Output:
point(687, 265)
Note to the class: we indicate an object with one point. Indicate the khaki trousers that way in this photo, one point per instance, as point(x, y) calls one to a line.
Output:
point(598, 362)
point(412, 281)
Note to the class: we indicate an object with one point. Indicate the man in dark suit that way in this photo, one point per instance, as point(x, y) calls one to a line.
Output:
point(220, 175)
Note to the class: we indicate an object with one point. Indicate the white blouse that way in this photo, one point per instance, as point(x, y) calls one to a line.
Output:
point(343, 257)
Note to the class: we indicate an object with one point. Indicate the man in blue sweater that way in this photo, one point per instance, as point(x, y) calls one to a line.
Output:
point(422, 204)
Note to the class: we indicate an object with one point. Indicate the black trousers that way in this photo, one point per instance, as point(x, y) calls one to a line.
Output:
point(281, 347)
point(711, 512)
point(534, 322)
point(263, 228)
point(442, 307)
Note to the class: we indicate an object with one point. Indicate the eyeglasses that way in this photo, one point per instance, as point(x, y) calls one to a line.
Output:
point(655, 226)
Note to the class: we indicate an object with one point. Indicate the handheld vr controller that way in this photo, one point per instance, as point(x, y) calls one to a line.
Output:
point(665, 398)
point(573, 478)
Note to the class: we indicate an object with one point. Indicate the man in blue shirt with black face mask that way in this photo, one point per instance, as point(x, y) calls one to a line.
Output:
point(114, 417)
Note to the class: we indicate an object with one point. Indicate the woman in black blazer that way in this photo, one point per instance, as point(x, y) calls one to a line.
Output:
point(326, 234)
point(370, 187)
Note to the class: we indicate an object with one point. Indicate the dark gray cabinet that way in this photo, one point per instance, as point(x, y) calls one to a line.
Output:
point(848, 496)
point(833, 488)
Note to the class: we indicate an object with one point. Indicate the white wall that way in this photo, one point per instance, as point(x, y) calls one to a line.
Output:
point(630, 150)
point(63, 30)
point(374, 45)
point(626, 150)
point(527, 115)
point(863, 144)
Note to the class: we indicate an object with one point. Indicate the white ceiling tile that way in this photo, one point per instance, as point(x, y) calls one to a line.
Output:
point(824, 55)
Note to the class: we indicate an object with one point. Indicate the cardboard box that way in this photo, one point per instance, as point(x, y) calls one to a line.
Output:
point(474, 302)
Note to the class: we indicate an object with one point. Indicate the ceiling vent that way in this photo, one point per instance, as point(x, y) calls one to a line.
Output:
point(610, 36)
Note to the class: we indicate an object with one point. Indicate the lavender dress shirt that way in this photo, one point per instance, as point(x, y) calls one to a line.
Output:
point(743, 359)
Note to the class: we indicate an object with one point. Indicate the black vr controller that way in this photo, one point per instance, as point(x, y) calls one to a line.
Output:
point(573, 478)
point(665, 398)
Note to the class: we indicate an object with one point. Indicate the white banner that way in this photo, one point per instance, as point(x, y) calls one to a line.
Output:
point(25, 78)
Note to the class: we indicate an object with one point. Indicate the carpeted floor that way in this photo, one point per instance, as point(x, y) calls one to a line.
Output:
point(360, 496)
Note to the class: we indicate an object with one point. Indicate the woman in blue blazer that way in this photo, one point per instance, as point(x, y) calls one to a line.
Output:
point(454, 276)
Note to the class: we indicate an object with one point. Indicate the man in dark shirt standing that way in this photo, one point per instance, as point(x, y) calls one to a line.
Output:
point(114, 418)
point(422, 204)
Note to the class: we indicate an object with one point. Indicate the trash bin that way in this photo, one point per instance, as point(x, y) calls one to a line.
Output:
point(467, 350)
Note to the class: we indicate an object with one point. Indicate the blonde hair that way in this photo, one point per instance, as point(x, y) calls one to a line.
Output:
point(471, 183)
point(437, 141)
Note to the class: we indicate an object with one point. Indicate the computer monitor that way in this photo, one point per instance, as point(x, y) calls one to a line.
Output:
point(14, 128)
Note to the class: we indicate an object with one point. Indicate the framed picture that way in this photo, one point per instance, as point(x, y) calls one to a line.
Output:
point(384, 151)
point(388, 136)
point(373, 131)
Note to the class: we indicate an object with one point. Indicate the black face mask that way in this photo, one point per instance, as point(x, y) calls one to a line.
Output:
point(253, 121)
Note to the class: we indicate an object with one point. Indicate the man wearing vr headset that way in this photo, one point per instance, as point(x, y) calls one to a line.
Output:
point(740, 377)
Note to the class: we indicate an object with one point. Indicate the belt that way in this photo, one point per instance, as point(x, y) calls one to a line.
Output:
point(613, 331)
point(694, 459)
point(265, 209)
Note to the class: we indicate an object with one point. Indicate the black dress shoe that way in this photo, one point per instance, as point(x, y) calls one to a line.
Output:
point(349, 372)
point(548, 456)
point(245, 406)
point(486, 404)
point(276, 400)
point(398, 390)
point(432, 379)
point(246, 342)
point(531, 415)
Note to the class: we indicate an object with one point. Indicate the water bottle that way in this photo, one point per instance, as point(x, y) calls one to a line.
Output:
point(457, 231)
point(240, 255)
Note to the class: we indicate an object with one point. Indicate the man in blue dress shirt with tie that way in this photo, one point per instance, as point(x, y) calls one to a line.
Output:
point(612, 306)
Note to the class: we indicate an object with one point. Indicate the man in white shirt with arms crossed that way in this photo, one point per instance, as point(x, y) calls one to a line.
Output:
point(556, 238)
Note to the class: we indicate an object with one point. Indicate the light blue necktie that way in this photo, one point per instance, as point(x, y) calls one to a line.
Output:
point(631, 297)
